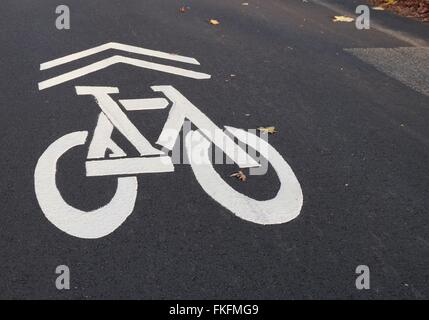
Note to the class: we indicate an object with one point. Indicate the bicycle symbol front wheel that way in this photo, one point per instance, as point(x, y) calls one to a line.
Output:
point(285, 206)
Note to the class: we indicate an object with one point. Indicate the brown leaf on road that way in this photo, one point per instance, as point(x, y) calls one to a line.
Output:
point(239, 175)
point(183, 9)
point(270, 130)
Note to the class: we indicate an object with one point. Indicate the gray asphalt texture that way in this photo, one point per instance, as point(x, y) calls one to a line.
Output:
point(408, 65)
point(356, 138)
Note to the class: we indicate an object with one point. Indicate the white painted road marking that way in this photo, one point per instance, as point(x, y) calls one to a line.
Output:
point(102, 64)
point(116, 46)
point(140, 165)
point(83, 224)
point(118, 118)
point(285, 206)
point(144, 104)
point(184, 109)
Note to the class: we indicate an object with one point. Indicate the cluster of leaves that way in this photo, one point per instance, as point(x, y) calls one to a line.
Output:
point(410, 8)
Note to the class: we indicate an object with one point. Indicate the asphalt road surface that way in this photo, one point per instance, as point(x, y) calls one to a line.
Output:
point(352, 114)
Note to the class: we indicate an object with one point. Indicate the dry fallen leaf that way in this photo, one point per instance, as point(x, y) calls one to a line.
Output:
point(378, 8)
point(270, 130)
point(214, 22)
point(389, 2)
point(342, 19)
point(239, 175)
point(183, 9)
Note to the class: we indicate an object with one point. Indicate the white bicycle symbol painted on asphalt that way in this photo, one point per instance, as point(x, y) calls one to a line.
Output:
point(285, 206)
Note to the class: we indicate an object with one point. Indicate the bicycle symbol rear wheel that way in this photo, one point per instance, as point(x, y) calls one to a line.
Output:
point(83, 224)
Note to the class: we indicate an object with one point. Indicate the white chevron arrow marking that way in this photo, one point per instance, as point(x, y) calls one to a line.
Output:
point(116, 46)
point(102, 64)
